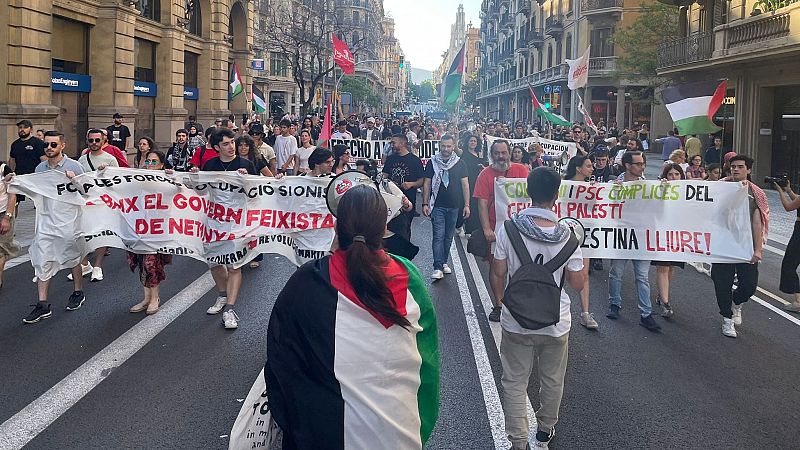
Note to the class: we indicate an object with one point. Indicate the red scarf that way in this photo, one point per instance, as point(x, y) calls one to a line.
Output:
point(761, 202)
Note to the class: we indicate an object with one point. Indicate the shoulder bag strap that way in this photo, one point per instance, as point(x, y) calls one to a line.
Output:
point(563, 256)
point(516, 241)
point(89, 160)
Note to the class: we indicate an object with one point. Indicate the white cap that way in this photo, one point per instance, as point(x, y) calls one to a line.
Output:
point(371, 119)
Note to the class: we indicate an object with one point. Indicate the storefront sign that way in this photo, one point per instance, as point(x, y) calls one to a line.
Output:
point(144, 89)
point(190, 93)
point(71, 82)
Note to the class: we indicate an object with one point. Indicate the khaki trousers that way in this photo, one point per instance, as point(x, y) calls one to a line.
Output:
point(518, 355)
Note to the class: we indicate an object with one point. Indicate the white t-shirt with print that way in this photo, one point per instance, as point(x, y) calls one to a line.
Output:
point(504, 250)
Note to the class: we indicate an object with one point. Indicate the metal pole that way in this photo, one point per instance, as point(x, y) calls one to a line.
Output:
point(572, 103)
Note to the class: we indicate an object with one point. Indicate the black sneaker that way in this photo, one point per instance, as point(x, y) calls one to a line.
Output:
point(597, 265)
point(666, 311)
point(41, 311)
point(650, 323)
point(613, 312)
point(543, 439)
point(494, 316)
point(75, 300)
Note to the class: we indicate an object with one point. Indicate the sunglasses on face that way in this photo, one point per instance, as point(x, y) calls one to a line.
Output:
point(52, 144)
point(96, 140)
point(152, 162)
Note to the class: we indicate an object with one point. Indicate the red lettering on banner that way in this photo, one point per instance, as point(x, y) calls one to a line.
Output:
point(678, 241)
point(154, 201)
point(126, 205)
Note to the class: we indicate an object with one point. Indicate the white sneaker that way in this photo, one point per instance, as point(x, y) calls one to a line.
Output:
point(737, 314)
point(727, 327)
point(97, 274)
point(85, 270)
point(446, 269)
point(437, 275)
point(217, 306)
point(587, 320)
point(230, 319)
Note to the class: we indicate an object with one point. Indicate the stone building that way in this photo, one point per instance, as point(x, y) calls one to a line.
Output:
point(71, 64)
point(755, 46)
point(526, 42)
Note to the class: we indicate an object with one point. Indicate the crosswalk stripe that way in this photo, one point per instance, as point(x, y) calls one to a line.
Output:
point(25, 425)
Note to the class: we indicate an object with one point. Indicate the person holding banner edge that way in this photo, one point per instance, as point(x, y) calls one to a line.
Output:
point(445, 193)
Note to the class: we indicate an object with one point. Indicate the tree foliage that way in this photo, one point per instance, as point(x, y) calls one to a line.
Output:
point(470, 91)
point(639, 41)
point(423, 91)
point(301, 30)
point(362, 94)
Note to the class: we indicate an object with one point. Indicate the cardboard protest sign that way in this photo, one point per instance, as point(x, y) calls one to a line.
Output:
point(692, 221)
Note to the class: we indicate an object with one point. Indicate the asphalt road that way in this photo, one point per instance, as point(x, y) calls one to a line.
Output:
point(101, 378)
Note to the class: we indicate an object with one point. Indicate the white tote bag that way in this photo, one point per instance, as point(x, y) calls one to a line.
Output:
point(254, 427)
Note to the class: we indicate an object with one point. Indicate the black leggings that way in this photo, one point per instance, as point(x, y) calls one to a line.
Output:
point(723, 275)
point(790, 283)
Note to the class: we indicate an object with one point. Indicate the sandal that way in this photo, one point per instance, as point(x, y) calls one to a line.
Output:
point(139, 307)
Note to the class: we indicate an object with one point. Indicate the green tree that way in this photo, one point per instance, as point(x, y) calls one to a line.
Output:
point(656, 24)
point(362, 94)
point(470, 91)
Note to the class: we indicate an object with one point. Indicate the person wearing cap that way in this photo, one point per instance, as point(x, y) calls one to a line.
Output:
point(341, 131)
point(119, 134)
point(267, 152)
point(371, 133)
point(27, 151)
point(353, 126)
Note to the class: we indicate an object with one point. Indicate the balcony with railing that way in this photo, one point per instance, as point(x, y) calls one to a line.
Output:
point(554, 26)
point(535, 39)
point(687, 50)
point(507, 20)
point(602, 66)
point(522, 41)
point(524, 7)
point(601, 8)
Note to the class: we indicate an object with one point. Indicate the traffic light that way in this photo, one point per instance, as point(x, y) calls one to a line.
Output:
point(556, 100)
point(402, 61)
point(547, 99)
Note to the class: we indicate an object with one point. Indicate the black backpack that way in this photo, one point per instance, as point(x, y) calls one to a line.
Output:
point(532, 296)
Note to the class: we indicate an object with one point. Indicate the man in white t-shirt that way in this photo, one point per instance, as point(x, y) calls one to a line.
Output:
point(96, 156)
point(546, 349)
point(285, 147)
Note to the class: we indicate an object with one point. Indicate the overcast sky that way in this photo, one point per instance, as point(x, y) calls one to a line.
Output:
point(423, 27)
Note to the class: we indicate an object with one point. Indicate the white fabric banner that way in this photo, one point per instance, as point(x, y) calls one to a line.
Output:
point(578, 71)
point(686, 221)
point(217, 217)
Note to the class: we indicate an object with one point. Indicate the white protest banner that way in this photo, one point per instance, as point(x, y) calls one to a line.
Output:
point(691, 221)
point(524, 141)
point(218, 217)
point(578, 71)
point(362, 148)
point(427, 149)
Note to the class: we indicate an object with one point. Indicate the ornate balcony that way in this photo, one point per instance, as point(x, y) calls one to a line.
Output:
point(535, 39)
point(554, 26)
point(680, 51)
point(507, 20)
point(602, 66)
point(597, 9)
point(524, 7)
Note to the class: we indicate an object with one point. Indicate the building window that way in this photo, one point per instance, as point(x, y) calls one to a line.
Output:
point(190, 64)
point(144, 56)
point(356, 18)
point(69, 46)
point(278, 67)
point(549, 55)
point(601, 42)
point(195, 26)
point(355, 38)
point(151, 9)
point(568, 46)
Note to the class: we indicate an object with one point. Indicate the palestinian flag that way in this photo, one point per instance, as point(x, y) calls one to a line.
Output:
point(451, 86)
point(235, 82)
point(259, 105)
point(692, 106)
point(342, 375)
point(540, 110)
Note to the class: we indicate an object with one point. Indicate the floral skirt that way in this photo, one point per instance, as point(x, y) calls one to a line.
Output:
point(150, 267)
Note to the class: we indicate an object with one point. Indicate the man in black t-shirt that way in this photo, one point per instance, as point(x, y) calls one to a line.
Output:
point(27, 151)
point(227, 278)
point(119, 134)
point(445, 192)
point(405, 170)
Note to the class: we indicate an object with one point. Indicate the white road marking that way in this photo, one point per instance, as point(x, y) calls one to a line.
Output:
point(776, 310)
point(22, 259)
point(21, 428)
point(771, 295)
point(494, 409)
point(775, 250)
point(497, 330)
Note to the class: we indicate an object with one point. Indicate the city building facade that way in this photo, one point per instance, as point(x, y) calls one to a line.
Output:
point(525, 44)
point(71, 64)
point(755, 46)
point(458, 34)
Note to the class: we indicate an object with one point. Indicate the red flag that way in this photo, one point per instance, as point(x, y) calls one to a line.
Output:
point(325, 133)
point(343, 57)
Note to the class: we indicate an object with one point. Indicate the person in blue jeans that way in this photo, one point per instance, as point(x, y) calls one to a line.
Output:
point(634, 163)
point(445, 192)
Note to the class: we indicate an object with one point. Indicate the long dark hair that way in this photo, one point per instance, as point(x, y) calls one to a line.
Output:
point(247, 140)
point(138, 157)
point(670, 166)
point(572, 166)
point(362, 212)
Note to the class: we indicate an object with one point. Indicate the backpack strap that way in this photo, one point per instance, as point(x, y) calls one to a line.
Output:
point(563, 256)
point(516, 241)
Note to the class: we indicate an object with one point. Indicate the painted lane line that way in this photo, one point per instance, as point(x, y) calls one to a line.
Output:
point(497, 330)
point(25, 425)
point(22, 259)
point(491, 398)
point(775, 250)
point(771, 295)
point(776, 310)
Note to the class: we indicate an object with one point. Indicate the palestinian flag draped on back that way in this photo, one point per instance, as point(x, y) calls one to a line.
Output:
point(451, 83)
point(692, 106)
point(341, 377)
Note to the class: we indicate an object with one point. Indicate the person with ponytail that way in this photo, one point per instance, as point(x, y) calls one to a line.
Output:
point(354, 331)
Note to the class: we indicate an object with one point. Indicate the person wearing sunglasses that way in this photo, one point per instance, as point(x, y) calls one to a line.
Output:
point(95, 159)
point(119, 155)
point(150, 267)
